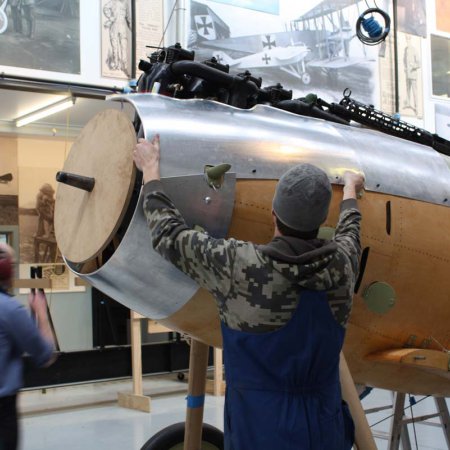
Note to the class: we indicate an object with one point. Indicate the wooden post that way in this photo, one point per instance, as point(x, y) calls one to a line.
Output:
point(135, 400)
point(216, 386)
point(218, 371)
point(363, 435)
point(198, 365)
point(32, 283)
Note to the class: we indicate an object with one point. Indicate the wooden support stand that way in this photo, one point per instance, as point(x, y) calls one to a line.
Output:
point(363, 435)
point(35, 283)
point(216, 386)
point(136, 399)
point(399, 426)
point(198, 365)
point(41, 283)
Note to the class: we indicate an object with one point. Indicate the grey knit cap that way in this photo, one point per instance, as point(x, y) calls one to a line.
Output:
point(302, 197)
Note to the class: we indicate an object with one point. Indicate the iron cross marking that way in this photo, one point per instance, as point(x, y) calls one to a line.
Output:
point(269, 43)
point(219, 59)
point(204, 25)
point(266, 58)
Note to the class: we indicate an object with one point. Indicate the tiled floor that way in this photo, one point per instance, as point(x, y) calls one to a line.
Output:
point(87, 417)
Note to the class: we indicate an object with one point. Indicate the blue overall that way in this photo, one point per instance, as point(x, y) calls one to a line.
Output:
point(283, 389)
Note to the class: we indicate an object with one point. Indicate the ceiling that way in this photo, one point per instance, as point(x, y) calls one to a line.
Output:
point(16, 103)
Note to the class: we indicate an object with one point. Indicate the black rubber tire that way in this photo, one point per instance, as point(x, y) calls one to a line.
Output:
point(172, 438)
point(180, 376)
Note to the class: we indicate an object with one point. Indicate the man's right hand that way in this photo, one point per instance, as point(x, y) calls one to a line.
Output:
point(38, 303)
point(353, 184)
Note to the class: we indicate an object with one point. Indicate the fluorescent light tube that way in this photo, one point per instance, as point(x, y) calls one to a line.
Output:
point(46, 111)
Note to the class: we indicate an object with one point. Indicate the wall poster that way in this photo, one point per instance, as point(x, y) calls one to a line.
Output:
point(116, 36)
point(410, 74)
point(149, 27)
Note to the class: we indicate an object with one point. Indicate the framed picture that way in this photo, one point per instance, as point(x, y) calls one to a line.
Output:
point(116, 38)
point(443, 16)
point(149, 27)
point(440, 66)
point(412, 17)
point(43, 35)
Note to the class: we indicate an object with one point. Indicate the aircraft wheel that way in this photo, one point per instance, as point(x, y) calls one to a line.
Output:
point(172, 438)
point(306, 78)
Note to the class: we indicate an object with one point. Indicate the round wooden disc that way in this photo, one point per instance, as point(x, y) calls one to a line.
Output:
point(85, 222)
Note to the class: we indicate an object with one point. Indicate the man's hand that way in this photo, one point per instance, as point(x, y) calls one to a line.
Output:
point(146, 156)
point(38, 303)
point(353, 184)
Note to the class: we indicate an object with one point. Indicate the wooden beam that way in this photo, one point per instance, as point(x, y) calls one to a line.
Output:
point(154, 327)
point(81, 282)
point(35, 283)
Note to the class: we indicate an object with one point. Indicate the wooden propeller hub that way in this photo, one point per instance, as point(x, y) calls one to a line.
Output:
point(101, 157)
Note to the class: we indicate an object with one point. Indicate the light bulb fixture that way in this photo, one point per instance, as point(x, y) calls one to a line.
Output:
point(46, 111)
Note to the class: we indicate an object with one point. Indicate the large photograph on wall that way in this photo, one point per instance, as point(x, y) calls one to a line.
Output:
point(37, 189)
point(40, 34)
point(116, 38)
point(309, 47)
point(440, 66)
point(38, 162)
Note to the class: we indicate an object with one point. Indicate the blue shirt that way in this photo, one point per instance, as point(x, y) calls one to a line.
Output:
point(18, 334)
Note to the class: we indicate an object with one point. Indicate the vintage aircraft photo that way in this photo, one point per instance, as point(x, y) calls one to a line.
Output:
point(335, 58)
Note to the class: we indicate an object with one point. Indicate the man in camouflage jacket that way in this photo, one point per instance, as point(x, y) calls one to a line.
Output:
point(258, 289)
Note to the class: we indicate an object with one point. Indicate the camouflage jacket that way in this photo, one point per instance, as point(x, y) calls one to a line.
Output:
point(257, 287)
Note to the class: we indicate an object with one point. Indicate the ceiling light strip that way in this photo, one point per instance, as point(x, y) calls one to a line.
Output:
point(45, 112)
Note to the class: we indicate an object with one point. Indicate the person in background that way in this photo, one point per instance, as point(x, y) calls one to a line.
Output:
point(19, 333)
point(16, 15)
point(411, 64)
point(283, 306)
point(29, 12)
